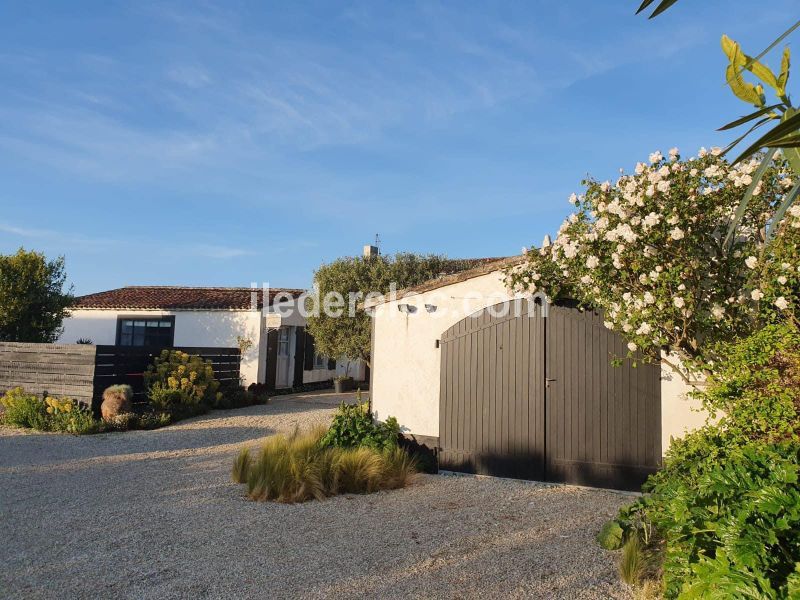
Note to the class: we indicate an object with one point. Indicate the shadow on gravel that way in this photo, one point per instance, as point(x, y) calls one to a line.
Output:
point(49, 450)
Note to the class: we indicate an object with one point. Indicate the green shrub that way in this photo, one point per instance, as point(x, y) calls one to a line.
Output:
point(181, 384)
point(298, 468)
point(723, 515)
point(610, 536)
point(236, 396)
point(65, 415)
point(353, 426)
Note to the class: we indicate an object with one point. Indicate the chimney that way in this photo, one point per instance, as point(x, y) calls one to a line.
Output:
point(370, 251)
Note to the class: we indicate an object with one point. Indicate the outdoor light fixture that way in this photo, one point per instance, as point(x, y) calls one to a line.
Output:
point(406, 308)
point(430, 308)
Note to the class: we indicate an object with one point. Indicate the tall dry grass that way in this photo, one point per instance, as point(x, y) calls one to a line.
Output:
point(296, 468)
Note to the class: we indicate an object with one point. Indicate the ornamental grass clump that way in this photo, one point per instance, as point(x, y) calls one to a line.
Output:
point(299, 467)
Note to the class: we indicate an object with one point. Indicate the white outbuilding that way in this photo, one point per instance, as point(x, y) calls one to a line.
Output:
point(514, 386)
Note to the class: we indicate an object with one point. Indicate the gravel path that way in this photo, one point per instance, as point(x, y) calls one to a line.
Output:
point(153, 514)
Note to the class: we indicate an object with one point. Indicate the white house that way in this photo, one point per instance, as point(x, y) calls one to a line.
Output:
point(529, 394)
point(278, 350)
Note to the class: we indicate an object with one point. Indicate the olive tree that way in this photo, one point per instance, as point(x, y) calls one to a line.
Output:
point(339, 325)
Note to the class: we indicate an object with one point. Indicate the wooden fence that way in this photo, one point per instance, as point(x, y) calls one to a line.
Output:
point(82, 372)
point(60, 369)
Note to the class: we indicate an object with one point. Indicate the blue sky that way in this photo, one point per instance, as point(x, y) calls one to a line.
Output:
point(224, 143)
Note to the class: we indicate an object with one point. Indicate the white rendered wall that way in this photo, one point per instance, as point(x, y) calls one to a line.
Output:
point(213, 328)
point(405, 361)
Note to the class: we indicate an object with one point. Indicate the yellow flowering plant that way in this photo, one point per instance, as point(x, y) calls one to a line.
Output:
point(178, 382)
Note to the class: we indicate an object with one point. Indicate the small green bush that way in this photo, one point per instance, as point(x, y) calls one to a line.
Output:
point(236, 396)
point(354, 426)
point(299, 468)
point(611, 536)
point(181, 384)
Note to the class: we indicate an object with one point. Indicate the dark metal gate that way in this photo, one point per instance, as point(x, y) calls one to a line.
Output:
point(530, 392)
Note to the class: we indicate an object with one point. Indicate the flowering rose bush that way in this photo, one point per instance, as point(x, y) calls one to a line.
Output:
point(649, 251)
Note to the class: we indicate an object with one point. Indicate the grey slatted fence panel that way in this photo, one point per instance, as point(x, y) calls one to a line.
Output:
point(58, 369)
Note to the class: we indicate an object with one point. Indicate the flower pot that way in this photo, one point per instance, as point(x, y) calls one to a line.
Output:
point(343, 385)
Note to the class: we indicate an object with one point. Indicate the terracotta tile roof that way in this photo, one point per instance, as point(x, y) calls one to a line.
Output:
point(178, 298)
point(483, 267)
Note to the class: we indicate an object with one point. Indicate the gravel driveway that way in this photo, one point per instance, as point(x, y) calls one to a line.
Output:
point(153, 514)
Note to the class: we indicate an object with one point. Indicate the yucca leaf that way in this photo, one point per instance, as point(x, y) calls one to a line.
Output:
point(788, 200)
point(777, 41)
point(787, 126)
point(750, 117)
point(644, 5)
point(763, 72)
point(665, 4)
point(783, 78)
point(790, 141)
point(742, 89)
point(757, 176)
point(744, 135)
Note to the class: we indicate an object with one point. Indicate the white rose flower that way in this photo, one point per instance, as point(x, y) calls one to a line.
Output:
point(782, 280)
point(678, 302)
point(751, 262)
point(716, 150)
point(632, 347)
point(702, 152)
point(693, 172)
point(586, 280)
point(649, 298)
point(673, 153)
point(605, 186)
point(756, 295)
point(655, 157)
point(663, 186)
point(673, 219)
point(592, 262)
point(717, 312)
point(676, 234)
point(644, 329)
point(640, 167)
point(573, 198)
point(608, 324)
point(781, 303)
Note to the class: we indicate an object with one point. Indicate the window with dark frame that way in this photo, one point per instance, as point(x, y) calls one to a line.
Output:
point(320, 361)
point(149, 331)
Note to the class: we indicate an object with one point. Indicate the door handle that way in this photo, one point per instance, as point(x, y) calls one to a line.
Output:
point(547, 381)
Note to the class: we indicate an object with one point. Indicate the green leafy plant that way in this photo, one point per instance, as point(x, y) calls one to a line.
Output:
point(181, 384)
point(354, 426)
point(723, 515)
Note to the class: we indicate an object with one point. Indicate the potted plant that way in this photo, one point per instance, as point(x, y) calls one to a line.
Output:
point(344, 383)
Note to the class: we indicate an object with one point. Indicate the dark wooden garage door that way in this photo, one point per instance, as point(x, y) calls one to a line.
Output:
point(531, 396)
